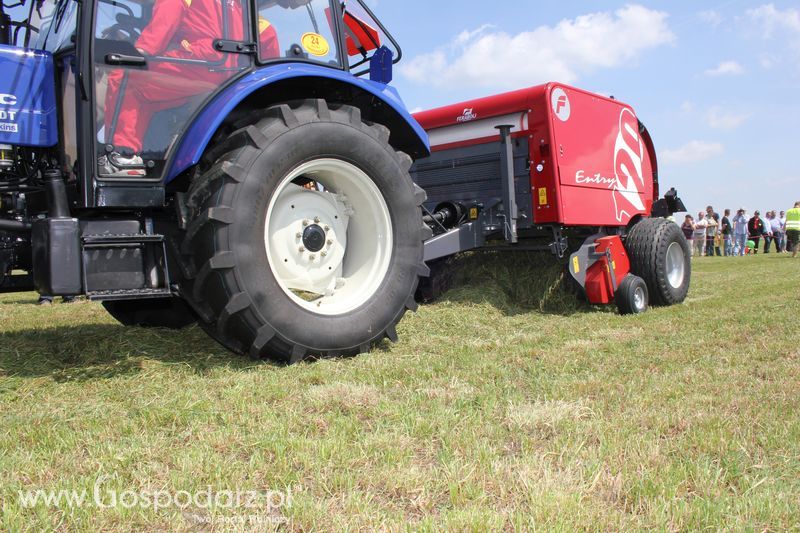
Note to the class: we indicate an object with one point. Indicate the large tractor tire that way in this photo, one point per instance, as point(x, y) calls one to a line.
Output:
point(305, 235)
point(659, 254)
point(172, 313)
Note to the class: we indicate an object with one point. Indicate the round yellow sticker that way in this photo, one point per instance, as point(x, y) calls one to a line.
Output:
point(315, 44)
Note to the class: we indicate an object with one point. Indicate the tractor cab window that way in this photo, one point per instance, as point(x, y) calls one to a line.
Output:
point(58, 25)
point(297, 30)
point(156, 63)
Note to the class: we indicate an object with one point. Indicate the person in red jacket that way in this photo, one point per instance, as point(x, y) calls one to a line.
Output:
point(179, 29)
point(755, 228)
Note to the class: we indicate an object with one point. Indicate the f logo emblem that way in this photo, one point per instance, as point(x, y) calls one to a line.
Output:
point(560, 104)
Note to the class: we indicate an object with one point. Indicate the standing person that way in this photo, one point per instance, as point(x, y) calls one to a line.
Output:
point(700, 226)
point(711, 232)
point(688, 231)
point(727, 231)
point(782, 219)
point(777, 231)
point(793, 228)
point(740, 232)
point(755, 228)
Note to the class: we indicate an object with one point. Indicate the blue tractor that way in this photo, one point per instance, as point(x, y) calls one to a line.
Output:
point(240, 164)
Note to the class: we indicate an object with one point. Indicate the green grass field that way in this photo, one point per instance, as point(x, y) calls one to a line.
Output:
point(505, 405)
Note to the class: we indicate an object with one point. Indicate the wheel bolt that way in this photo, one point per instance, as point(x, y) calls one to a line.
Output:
point(327, 228)
point(301, 250)
point(306, 223)
point(330, 242)
point(316, 220)
point(323, 253)
point(298, 235)
point(311, 257)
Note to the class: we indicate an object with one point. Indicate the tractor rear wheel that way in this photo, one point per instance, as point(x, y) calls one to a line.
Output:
point(659, 254)
point(172, 313)
point(305, 235)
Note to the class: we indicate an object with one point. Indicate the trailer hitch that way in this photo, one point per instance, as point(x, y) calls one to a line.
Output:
point(668, 205)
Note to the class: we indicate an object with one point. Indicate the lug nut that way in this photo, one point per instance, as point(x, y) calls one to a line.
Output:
point(330, 242)
point(298, 235)
point(311, 257)
point(327, 228)
point(305, 223)
point(323, 253)
point(301, 250)
point(316, 220)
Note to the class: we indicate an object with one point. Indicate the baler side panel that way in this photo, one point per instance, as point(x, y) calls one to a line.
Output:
point(545, 189)
point(604, 168)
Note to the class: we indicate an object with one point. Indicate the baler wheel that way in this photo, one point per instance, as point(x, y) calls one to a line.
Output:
point(172, 313)
point(632, 296)
point(659, 254)
point(305, 235)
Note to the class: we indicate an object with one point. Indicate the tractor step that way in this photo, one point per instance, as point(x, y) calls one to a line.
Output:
point(129, 294)
point(124, 266)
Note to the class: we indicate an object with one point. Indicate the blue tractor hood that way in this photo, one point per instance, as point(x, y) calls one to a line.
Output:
point(27, 98)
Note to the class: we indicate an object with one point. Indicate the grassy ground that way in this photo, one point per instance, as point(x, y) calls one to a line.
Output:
point(499, 408)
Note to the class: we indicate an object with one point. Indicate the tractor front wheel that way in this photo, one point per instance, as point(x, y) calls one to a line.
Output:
point(305, 235)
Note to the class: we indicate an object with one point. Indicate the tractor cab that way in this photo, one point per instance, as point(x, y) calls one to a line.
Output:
point(132, 76)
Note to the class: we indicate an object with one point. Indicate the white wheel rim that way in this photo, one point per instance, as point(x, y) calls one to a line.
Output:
point(343, 270)
point(639, 300)
point(675, 265)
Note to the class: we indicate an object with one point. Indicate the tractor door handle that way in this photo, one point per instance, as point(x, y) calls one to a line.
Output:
point(122, 59)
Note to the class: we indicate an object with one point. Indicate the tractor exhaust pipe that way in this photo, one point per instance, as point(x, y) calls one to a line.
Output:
point(56, 193)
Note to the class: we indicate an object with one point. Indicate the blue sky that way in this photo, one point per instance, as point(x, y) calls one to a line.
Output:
point(716, 83)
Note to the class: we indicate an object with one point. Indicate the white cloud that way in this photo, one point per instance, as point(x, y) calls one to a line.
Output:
point(714, 18)
point(726, 68)
point(692, 152)
point(773, 23)
point(491, 58)
point(770, 19)
point(722, 120)
point(767, 61)
point(687, 107)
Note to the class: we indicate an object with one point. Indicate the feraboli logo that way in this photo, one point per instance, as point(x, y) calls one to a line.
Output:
point(8, 99)
point(561, 106)
point(467, 115)
point(628, 157)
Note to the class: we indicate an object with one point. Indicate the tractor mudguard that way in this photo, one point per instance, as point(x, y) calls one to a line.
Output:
point(199, 133)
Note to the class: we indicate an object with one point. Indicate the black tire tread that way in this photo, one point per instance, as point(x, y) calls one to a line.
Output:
point(647, 243)
point(225, 166)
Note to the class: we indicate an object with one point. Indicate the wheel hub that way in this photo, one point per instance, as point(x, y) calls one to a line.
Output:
point(327, 255)
point(314, 238)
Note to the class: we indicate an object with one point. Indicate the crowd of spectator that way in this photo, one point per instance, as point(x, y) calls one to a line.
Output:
point(709, 234)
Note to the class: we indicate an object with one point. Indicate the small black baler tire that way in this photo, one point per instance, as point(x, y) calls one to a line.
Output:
point(659, 254)
point(171, 313)
point(632, 296)
point(244, 242)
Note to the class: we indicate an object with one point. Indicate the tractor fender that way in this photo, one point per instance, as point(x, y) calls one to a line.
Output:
point(315, 81)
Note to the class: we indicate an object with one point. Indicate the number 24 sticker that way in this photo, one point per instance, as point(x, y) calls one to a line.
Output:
point(315, 44)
